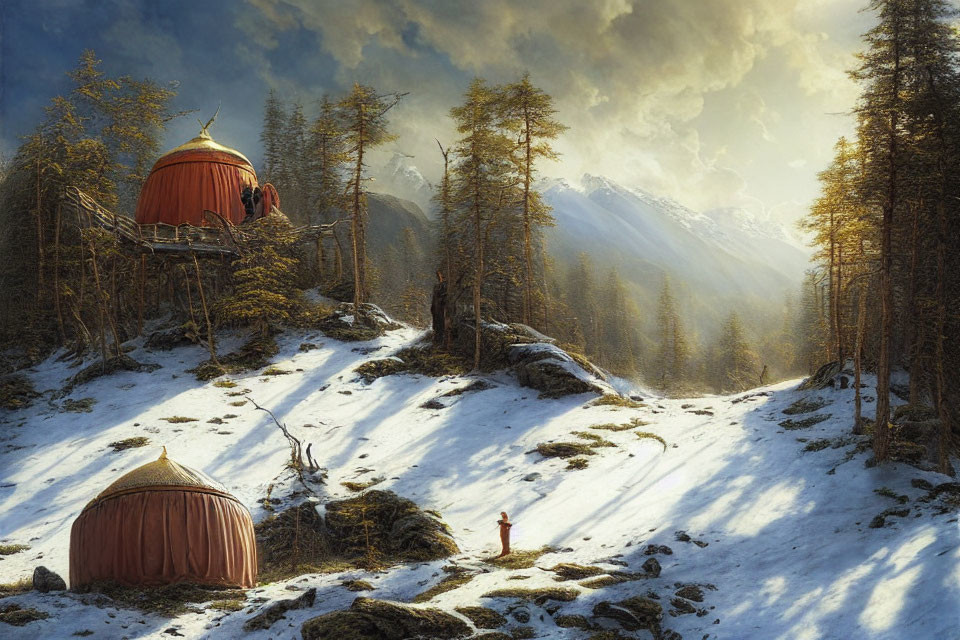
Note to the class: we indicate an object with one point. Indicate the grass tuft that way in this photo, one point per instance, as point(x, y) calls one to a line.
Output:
point(613, 400)
point(225, 384)
point(457, 578)
point(130, 443)
point(520, 559)
point(564, 449)
point(574, 464)
point(652, 436)
point(536, 595)
point(10, 549)
point(178, 419)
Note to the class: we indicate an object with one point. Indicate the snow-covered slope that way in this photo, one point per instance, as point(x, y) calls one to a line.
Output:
point(784, 531)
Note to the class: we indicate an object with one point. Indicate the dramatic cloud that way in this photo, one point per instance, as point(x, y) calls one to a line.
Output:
point(720, 103)
point(713, 102)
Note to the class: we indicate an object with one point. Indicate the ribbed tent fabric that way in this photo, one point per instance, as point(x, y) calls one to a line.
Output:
point(164, 523)
point(200, 174)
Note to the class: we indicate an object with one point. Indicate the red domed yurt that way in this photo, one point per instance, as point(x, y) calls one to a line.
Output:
point(164, 523)
point(200, 174)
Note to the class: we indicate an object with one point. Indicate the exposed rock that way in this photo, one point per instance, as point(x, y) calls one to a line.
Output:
point(536, 361)
point(369, 619)
point(552, 371)
point(347, 324)
point(651, 567)
point(657, 548)
point(681, 607)
point(633, 614)
point(823, 377)
point(275, 611)
point(45, 580)
point(690, 592)
point(182, 336)
point(531, 477)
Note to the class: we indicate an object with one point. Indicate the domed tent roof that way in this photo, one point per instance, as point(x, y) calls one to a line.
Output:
point(164, 523)
point(199, 174)
point(161, 474)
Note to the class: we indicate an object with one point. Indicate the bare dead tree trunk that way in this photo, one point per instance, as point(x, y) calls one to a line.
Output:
point(881, 433)
point(857, 356)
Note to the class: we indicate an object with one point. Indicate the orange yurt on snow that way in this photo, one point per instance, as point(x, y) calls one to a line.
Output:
point(196, 176)
point(164, 523)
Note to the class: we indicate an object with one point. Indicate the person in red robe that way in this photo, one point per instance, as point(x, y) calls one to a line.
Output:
point(505, 525)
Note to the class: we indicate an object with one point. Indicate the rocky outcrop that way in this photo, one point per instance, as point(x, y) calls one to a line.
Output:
point(350, 324)
point(45, 580)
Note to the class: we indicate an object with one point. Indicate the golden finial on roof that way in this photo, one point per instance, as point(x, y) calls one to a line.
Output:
point(204, 127)
point(163, 456)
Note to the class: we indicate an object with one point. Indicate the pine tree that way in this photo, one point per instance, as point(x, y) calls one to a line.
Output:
point(327, 150)
point(265, 292)
point(673, 350)
point(529, 114)
point(363, 114)
point(271, 137)
point(481, 181)
point(736, 366)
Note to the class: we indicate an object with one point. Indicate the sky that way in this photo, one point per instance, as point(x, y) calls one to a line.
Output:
point(714, 103)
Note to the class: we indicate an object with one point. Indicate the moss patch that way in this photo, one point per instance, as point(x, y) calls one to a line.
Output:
point(19, 616)
point(16, 392)
point(357, 585)
point(130, 443)
point(168, 600)
point(805, 406)
point(613, 400)
point(374, 529)
point(255, 354)
point(538, 595)
point(178, 419)
point(570, 571)
point(426, 360)
point(818, 445)
point(482, 617)
point(227, 605)
point(83, 405)
point(652, 436)
point(369, 619)
point(564, 449)
point(225, 384)
point(595, 441)
point(457, 577)
point(13, 588)
point(804, 423)
point(633, 424)
point(361, 486)
point(274, 371)
point(519, 559)
point(373, 369)
point(10, 549)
